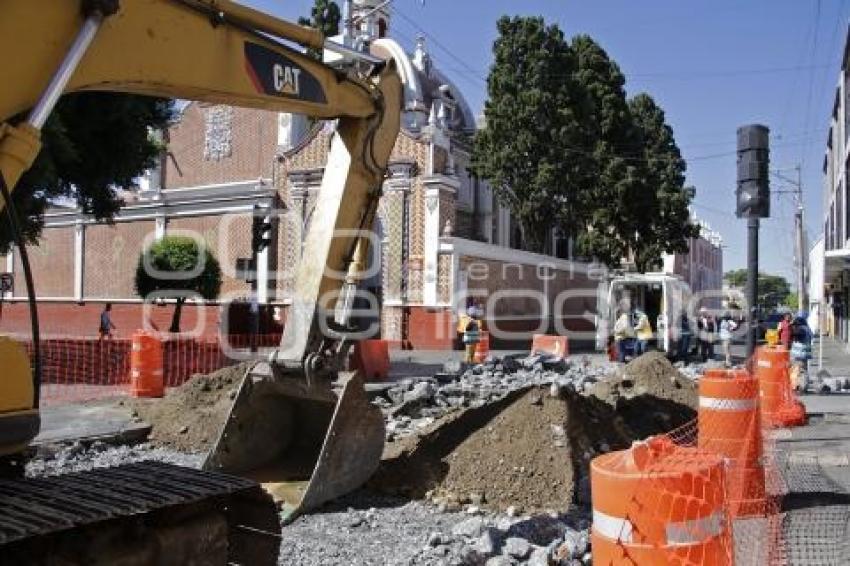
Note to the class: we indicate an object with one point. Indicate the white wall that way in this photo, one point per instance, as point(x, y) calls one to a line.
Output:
point(816, 281)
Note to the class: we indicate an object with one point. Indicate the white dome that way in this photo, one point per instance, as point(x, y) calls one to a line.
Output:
point(422, 87)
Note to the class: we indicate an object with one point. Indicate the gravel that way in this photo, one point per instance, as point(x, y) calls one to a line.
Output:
point(371, 529)
point(78, 457)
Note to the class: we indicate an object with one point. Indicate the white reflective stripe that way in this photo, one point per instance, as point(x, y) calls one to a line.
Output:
point(763, 364)
point(135, 373)
point(695, 531)
point(727, 404)
point(613, 528)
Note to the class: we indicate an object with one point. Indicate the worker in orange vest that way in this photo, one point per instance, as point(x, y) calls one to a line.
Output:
point(471, 333)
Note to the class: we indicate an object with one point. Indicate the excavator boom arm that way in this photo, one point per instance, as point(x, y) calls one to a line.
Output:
point(217, 52)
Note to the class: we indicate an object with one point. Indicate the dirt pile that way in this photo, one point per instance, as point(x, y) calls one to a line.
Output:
point(528, 451)
point(651, 374)
point(649, 396)
point(532, 449)
point(190, 417)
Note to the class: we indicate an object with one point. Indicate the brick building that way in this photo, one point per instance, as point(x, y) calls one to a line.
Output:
point(702, 266)
point(442, 238)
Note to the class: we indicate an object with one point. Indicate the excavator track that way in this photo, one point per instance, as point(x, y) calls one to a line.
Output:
point(134, 514)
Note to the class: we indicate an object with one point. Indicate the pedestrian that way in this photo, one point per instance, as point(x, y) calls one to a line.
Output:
point(623, 334)
point(705, 335)
point(785, 331)
point(684, 337)
point(643, 333)
point(801, 351)
point(106, 326)
point(727, 327)
point(471, 334)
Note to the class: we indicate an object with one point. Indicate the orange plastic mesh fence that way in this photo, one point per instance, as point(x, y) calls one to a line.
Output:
point(80, 369)
point(708, 493)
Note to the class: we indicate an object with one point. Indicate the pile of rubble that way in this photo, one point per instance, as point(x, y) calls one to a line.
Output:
point(367, 528)
point(503, 540)
point(412, 405)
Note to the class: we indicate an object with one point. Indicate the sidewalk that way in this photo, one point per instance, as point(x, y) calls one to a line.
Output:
point(836, 361)
point(836, 357)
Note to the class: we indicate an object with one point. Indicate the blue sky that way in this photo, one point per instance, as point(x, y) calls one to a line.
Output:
point(713, 65)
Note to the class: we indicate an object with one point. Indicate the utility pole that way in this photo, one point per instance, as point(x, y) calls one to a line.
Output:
point(799, 236)
point(801, 245)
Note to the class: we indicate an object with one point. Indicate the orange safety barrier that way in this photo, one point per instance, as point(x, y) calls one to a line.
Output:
point(551, 345)
point(779, 405)
point(84, 368)
point(729, 424)
point(482, 349)
point(372, 357)
point(657, 504)
point(146, 367)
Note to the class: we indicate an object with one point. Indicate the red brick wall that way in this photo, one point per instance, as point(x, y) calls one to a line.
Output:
point(227, 239)
point(52, 263)
point(110, 258)
point(431, 329)
point(74, 320)
point(253, 148)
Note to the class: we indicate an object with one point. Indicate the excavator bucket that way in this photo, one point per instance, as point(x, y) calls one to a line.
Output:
point(306, 446)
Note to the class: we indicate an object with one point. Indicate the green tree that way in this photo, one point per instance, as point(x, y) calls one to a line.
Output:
point(93, 143)
point(773, 291)
point(792, 301)
point(325, 17)
point(534, 111)
point(616, 204)
point(179, 255)
point(661, 213)
point(736, 277)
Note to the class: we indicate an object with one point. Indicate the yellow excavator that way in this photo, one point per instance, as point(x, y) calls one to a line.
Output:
point(300, 426)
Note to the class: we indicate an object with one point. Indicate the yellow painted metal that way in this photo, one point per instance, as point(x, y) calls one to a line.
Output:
point(772, 337)
point(160, 48)
point(19, 146)
point(16, 390)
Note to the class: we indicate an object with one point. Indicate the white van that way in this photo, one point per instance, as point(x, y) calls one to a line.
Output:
point(662, 296)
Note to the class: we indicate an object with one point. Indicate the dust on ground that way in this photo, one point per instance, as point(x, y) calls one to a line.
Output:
point(190, 417)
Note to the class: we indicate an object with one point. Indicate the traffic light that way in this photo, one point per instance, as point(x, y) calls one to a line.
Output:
point(261, 231)
point(753, 192)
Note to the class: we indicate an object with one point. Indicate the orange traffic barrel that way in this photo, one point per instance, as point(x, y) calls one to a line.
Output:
point(482, 349)
point(779, 407)
point(146, 367)
point(549, 344)
point(658, 503)
point(729, 423)
point(372, 357)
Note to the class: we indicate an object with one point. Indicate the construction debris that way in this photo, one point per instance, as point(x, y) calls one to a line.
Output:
point(489, 465)
point(189, 418)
